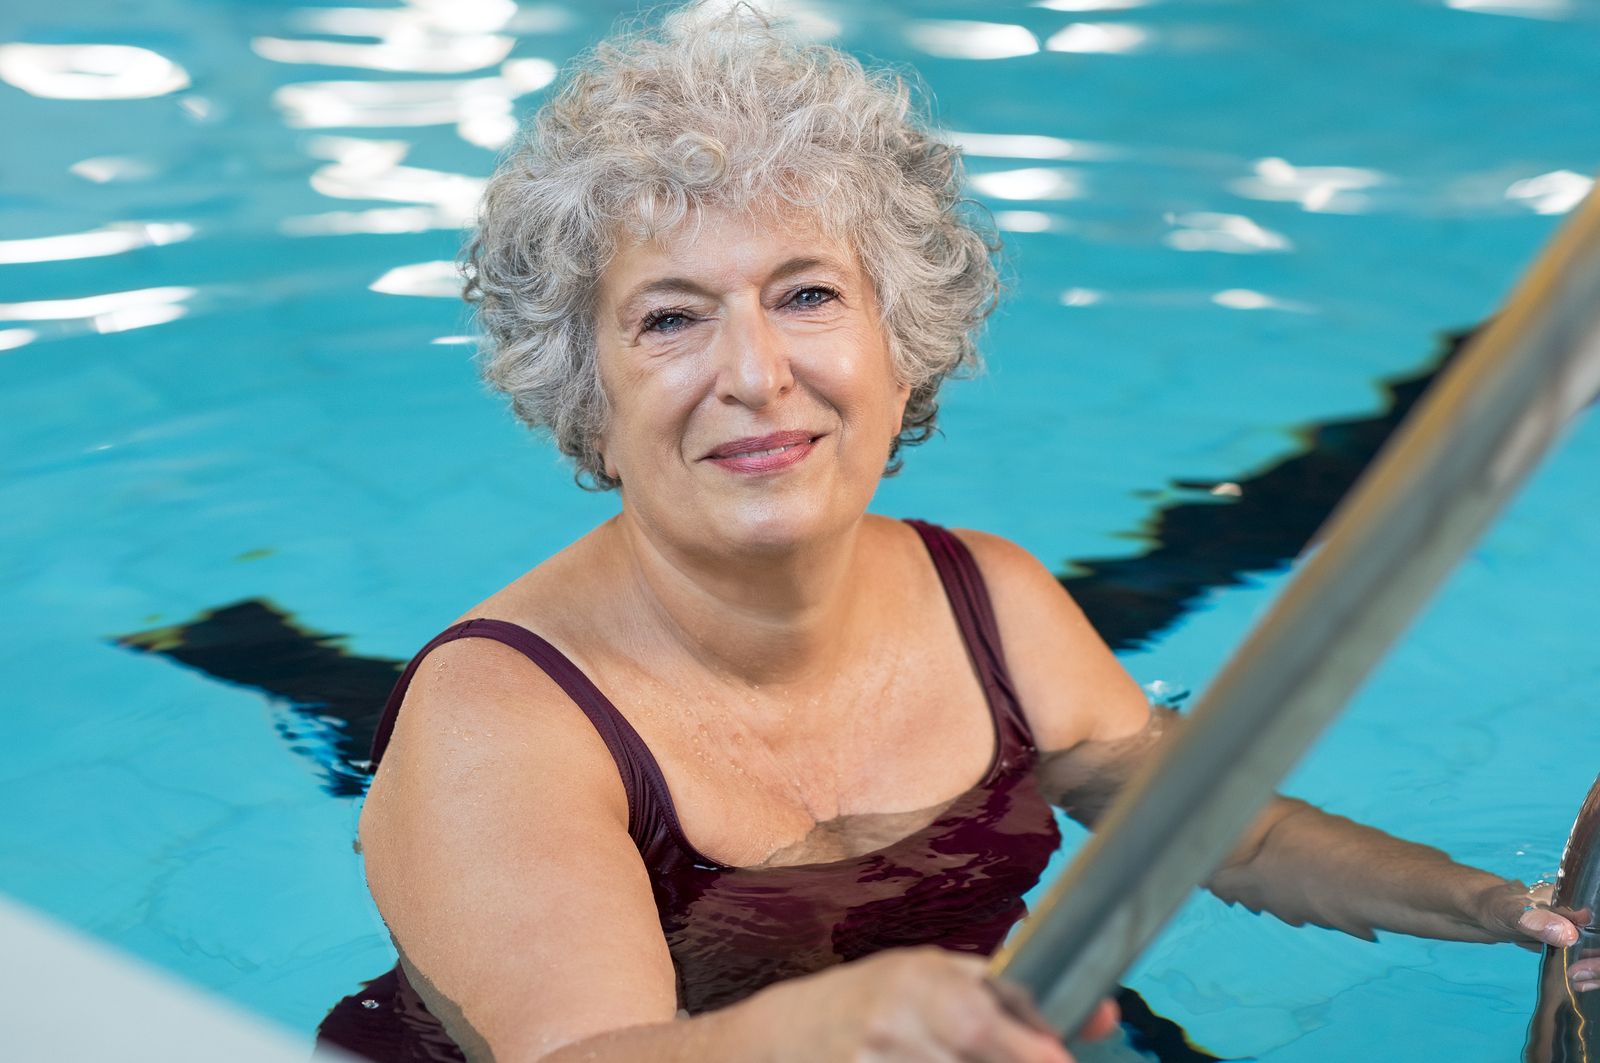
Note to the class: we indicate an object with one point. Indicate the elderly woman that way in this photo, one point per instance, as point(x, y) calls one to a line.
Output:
point(651, 800)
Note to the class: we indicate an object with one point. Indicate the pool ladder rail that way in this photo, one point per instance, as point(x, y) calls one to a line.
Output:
point(1565, 1022)
point(1449, 469)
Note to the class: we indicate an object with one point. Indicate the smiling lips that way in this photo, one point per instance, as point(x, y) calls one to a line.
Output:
point(763, 453)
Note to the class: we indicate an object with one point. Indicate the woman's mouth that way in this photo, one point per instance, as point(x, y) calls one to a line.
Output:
point(763, 453)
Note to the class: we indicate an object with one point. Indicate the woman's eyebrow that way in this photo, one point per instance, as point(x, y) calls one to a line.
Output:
point(684, 286)
point(801, 264)
point(665, 286)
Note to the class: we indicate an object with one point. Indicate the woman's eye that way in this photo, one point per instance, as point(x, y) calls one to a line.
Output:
point(814, 296)
point(664, 321)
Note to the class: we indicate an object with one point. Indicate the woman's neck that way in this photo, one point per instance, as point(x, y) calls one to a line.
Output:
point(764, 618)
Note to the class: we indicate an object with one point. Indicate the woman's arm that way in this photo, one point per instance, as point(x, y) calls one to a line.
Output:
point(1305, 865)
point(1296, 861)
point(496, 845)
point(497, 850)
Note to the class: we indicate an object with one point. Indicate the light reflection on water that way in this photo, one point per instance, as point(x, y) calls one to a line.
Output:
point(105, 169)
point(434, 37)
point(1033, 182)
point(12, 338)
point(1551, 193)
point(1333, 189)
point(422, 37)
point(106, 313)
point(1184, 300)
point(1109, 38)
point(1229, 233)
point(438, 279)
point(1091, 5)
point(480, 108)
point(90, 71)
point(113, 239)
point(424, 55)
point(971, 40)
point(1542, 9)
point(370, 169)
point(1028, 146)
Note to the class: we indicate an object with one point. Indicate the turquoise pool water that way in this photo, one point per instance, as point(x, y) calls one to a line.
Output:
point(226, 377)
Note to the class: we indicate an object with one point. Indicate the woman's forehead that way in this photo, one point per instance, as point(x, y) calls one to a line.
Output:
point(720, 245)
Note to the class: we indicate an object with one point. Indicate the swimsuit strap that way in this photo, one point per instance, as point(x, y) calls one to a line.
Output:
point(649, 804)
point(969, 598)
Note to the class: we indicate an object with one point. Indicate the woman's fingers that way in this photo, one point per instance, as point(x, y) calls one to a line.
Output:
point(1018, 1006)
point(994, 1033)
point(1583, 974)
point(932, 1006)
point(1527, 918)
point(1017, 1002)
point(1102, 1023)
point(1547, 927)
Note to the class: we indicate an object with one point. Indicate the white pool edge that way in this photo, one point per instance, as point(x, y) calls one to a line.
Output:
point(69, 998)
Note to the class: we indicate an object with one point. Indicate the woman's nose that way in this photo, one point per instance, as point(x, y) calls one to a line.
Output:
point(753, 360)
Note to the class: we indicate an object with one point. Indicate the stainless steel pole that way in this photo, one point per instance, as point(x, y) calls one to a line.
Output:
point(1450, 468)
point(1566, 1024)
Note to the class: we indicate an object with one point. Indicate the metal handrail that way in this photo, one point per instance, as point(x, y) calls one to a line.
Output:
point(1566, 1023)
point(1474, 437)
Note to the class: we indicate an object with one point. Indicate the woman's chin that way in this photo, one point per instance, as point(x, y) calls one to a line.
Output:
point(780, 525)
point(771, 532)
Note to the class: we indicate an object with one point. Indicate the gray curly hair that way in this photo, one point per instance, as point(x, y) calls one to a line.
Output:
point(653, 126)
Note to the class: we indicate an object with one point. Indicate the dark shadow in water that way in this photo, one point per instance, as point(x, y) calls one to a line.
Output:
point(1155, 1035)
point(330, 699)
point(1217, 541)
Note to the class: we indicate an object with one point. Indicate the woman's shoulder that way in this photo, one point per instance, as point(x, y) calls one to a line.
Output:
point(1070, 685)
point(500, 676)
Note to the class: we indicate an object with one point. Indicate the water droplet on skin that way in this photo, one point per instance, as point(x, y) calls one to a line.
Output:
point(1166, 694)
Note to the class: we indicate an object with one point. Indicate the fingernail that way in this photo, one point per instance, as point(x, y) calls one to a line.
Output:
point(1586, 987)
point(1556, 935)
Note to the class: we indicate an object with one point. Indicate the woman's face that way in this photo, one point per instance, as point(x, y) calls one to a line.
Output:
point(752, 396)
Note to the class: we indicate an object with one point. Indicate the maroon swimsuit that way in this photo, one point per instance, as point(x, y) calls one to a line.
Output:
point(956, 883)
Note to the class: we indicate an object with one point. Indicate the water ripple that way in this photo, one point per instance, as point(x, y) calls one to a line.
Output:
point(1329, 189)
point(370, 169)
point(480, 108)
point(425, 55)
point(424, 37)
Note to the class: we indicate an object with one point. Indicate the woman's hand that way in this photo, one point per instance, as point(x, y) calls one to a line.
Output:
point(1523, 916)
point(920, 1005)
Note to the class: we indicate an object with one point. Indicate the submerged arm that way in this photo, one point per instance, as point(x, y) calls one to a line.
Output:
point(1095, 727)
point(1305, 865)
